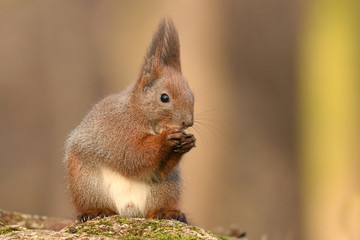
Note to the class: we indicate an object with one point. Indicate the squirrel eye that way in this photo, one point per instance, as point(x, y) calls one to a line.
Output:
point(165, 98)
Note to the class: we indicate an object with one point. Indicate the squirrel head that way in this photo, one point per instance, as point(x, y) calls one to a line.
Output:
point(161, 94)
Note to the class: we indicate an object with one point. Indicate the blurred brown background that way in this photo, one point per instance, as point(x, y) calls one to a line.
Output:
point(58, 58)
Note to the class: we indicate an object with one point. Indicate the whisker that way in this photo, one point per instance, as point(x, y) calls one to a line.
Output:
point(209, 126)
point(196, 130)
point(207, 111)
point(207, 119)
point(214, 131)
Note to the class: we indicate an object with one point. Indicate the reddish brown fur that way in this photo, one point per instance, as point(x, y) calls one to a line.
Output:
point(74, 172)
point(137, 136)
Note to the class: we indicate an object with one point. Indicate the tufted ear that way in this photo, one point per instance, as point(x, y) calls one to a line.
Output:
point(164, 50)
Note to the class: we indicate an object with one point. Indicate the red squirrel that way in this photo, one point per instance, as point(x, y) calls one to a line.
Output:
point(124, 156)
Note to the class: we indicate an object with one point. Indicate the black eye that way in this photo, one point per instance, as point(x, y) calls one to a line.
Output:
point(165, 98)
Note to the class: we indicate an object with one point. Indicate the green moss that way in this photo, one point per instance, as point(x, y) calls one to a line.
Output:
point(175, 236)
point(92, 229)
point(6, 230)
point(107, 223)
point(99, 231)
point(131, 228)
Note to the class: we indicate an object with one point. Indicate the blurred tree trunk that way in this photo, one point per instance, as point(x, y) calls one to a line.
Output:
point(48, 80)
point(329, 131)
point(261, 163)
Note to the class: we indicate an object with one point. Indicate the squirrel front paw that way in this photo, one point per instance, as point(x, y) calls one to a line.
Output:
point(179, 141)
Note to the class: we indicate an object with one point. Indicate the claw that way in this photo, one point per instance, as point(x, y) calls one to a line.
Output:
point(180, 141)
point(83, 218)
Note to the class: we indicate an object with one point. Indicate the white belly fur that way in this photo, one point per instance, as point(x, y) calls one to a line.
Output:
point(128, 195)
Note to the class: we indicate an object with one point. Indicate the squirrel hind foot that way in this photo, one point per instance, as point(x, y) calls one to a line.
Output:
point(89, 214)
point(168, 213)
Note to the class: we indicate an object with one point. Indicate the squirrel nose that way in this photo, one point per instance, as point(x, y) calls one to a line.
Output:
point(188, 122)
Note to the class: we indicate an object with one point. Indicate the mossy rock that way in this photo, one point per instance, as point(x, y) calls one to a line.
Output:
point(114, 227)
point(33, 221)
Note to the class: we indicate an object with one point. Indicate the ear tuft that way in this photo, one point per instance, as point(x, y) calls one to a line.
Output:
point(164, 49)
point(171, 48)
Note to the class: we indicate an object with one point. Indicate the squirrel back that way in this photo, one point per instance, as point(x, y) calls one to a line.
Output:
point(123, 157)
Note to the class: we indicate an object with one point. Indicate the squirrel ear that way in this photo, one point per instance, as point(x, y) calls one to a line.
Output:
point(164, 50)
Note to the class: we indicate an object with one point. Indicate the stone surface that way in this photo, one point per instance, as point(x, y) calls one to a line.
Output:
point(23, 226)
